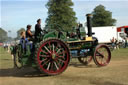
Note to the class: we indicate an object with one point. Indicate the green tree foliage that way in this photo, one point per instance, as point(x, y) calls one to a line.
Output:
point(102, 17)
point(60, 15)
point(19, 32)
point(3, 35)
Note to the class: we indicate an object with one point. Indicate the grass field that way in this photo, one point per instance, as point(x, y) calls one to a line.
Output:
point(116, 73)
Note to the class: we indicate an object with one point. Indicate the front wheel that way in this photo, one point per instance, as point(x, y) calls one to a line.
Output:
point(102, 55)
point(52, 56)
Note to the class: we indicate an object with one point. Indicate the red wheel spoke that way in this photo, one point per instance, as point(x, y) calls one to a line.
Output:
point(100, 54)
point(49, 43)
point(45, 56)
point(43, 60)
point(48, 66)
point(53, 48)
point(62, 53)
point(51, 66)
point(58, 64)
point(44, 51)
point(58, 51)
point(59, 57)
point(46, 62)
point(47, 49)
point(61, 60)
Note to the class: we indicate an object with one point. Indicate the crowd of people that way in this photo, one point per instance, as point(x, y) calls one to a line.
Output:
point(6, 46)
point(116, 44)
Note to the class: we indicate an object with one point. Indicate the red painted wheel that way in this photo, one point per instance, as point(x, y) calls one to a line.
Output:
point(85, 59)
point(52, 56)
point(102, 55)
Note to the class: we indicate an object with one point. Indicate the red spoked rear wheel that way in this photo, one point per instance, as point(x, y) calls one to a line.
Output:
point(102, 55)
point(52, 56)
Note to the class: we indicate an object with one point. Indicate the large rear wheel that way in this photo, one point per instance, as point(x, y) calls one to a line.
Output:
point(52, 56)
point(102, 55)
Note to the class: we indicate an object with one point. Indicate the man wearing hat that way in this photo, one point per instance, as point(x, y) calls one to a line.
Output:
point(38, 28)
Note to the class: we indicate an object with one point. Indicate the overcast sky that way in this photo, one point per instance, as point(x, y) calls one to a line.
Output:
point(16, 14)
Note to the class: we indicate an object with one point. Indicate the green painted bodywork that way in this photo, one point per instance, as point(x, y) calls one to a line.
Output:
point(28, 57)
point(53, 34)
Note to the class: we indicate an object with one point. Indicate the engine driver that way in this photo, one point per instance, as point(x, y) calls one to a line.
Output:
point(38, 28)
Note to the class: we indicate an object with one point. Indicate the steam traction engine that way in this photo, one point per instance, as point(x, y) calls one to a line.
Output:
point(52, 52)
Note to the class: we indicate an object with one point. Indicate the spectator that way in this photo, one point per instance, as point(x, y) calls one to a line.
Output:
point(116, 44)
point(125, 42)
point(113, 42)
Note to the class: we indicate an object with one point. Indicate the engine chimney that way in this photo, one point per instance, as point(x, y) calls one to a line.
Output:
point(89, 25)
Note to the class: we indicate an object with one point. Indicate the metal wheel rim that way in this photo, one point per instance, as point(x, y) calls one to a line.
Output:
point(17, 61)
point(53, 57)
point(101, 57)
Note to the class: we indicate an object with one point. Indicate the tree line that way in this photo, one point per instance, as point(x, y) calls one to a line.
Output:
point(4, 36)
point(61, 15)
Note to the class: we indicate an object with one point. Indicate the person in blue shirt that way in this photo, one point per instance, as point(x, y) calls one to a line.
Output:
point(25, 42)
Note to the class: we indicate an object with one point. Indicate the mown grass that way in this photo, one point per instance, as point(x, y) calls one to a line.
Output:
point(114, 74)
point(120, 54)
point(6, 60)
